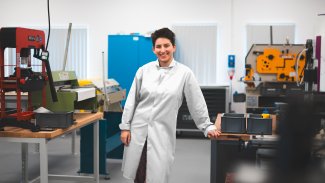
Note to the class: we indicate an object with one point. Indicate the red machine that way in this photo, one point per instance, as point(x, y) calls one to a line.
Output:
point(23, 79)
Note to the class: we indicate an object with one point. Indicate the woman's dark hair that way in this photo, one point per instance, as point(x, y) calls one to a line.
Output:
point(163, 33)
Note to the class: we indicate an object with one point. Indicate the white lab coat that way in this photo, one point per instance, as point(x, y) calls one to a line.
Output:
point(150, 112)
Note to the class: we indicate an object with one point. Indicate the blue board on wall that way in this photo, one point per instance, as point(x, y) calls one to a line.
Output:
point(126, 53)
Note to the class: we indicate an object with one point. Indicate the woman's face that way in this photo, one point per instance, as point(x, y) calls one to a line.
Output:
point(164, 50)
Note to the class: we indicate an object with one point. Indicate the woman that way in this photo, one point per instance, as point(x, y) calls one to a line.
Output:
point(150, 113)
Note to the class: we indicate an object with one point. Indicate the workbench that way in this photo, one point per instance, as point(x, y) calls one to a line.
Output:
point(229, 149)
point(25, 136)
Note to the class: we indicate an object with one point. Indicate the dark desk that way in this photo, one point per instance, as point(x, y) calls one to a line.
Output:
point(230, 149)
point(24, 136)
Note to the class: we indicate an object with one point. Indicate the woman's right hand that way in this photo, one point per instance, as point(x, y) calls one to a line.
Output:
point(126, 137)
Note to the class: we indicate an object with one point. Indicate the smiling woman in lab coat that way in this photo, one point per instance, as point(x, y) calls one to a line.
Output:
point(150, 113)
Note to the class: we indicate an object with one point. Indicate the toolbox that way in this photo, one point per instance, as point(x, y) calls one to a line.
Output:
point(256, 124)
point(233, 123)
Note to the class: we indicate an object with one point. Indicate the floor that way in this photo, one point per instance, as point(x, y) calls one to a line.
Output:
point(192, 162)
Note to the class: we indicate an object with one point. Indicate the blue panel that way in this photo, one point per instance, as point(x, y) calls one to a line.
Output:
point(231, 61)
point(145, 51)
point(114, 142)
point(126, 53)
point(122, 59)
point(110, 145)
point(86, 150)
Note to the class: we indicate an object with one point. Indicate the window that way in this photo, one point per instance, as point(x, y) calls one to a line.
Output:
point(77, 53)
point(270, 34)
point(196, 47)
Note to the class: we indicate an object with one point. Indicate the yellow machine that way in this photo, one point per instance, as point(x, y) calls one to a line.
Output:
point(249, 73)
point(276, 63)
point(109, 94)
point(272, 72)
point(284, 65)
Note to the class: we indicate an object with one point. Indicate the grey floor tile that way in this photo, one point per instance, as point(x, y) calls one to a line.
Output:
point(192, 162)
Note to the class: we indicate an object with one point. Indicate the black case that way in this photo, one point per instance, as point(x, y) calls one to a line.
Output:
point(256, 124)
point(233, 123)
point(54, 120)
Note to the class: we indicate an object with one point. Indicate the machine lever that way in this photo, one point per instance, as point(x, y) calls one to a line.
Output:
point(44, 59)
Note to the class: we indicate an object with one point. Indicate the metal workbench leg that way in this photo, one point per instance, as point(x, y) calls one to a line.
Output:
point(73, 142)
point(24, 162)
point(213, 165)
point(96, 151)
point(43, 161)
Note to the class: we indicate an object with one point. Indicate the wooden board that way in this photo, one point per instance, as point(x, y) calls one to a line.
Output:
point(236, 136)
point(81, 120)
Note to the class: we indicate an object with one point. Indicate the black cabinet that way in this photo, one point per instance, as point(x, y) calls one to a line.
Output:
point(216, 98)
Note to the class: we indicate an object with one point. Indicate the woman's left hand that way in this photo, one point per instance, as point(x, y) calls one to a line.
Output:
point(213, 134)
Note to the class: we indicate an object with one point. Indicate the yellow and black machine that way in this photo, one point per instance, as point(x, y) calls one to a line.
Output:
point(282, 63)
point(273, 71)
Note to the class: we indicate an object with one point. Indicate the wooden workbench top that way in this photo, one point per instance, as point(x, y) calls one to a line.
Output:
point(82, 119)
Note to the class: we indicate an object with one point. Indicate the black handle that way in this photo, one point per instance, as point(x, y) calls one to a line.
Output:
point(45, 55)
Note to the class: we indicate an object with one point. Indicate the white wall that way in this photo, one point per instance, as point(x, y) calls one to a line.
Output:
point(299, 12)
point(302, 13)
point(104, 17)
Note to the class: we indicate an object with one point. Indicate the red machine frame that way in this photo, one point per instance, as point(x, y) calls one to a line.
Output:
point(23, 40)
